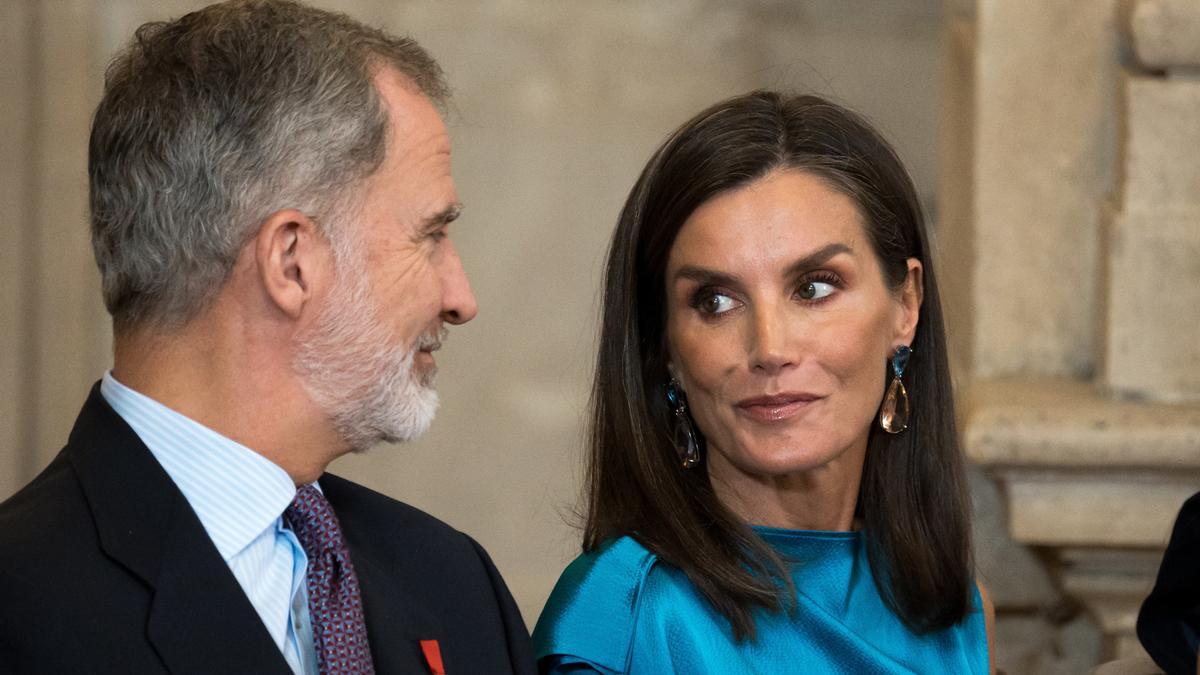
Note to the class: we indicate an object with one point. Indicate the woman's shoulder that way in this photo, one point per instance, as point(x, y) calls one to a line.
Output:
point(594, 610)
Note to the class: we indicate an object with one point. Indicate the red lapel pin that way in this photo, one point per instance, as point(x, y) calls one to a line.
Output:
point(433, 656)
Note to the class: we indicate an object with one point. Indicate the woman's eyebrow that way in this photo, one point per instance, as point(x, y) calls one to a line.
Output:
point(816, 258)
point(704, 275)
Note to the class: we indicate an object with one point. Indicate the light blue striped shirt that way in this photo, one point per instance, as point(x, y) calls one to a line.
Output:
point(239, 497)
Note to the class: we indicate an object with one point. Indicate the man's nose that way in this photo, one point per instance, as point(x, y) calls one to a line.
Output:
point(458, 302)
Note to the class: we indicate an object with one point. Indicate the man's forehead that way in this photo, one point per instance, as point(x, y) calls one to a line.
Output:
point(415, 127)
point(402, 97)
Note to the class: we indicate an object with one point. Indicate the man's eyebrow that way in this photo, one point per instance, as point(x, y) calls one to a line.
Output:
point(704, 275)
point(443, 218)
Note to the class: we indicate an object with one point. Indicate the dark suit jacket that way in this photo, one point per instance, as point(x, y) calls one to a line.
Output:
point(1169, 623)
point(105, 568)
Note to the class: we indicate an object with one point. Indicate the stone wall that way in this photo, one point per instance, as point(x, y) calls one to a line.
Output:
point(1081, 219)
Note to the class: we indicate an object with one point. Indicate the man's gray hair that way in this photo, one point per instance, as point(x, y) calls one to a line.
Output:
point(214, 121)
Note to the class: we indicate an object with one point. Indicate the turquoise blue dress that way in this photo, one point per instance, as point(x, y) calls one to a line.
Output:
point(619, 610)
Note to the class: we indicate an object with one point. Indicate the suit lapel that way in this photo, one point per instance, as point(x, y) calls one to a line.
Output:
point(396, 622)
point(200, 620)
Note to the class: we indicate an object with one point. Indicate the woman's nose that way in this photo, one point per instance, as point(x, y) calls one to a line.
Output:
point(770, 344)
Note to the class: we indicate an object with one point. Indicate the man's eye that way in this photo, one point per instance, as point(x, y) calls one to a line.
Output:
point(715, 303)
point(814, 290)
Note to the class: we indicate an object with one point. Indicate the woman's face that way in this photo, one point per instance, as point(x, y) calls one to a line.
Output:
point(780, 324)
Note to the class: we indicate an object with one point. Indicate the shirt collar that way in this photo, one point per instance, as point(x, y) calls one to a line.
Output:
point(235, 492)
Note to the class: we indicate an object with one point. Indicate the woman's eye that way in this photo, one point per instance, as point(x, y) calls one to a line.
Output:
point(814, 290)
point(715, 303)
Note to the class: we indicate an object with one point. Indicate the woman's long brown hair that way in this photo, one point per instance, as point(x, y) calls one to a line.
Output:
point(912, 503)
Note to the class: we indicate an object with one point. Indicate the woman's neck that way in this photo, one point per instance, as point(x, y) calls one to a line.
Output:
point(823, 498)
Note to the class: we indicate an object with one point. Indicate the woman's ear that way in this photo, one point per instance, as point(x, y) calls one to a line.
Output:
point(674, 375)
point(912, 294)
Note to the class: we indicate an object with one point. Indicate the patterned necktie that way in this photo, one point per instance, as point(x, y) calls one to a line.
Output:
point(334, 603)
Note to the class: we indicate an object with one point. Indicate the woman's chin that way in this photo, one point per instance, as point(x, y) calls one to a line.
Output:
point(783, 459)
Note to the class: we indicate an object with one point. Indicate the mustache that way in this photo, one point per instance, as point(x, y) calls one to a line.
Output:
point(432, 340)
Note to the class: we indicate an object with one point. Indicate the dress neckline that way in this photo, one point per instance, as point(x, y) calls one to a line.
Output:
point(784, 534)
point(812, 545)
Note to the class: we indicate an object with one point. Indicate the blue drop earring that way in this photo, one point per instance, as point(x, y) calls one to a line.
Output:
point(893, 415)
point(687, 445)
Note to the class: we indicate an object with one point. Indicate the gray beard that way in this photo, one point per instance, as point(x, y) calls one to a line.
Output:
point(352, 371)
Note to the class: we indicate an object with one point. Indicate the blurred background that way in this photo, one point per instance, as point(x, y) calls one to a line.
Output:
point(1054, 144)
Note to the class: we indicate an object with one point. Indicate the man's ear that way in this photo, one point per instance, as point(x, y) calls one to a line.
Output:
point(912, 294)
point(290, 255)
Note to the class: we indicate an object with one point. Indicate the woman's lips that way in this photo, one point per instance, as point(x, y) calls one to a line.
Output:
point(776, 407)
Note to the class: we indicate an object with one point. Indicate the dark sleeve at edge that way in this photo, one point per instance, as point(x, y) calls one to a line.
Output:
point(520, 649)
point(1175, 600)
